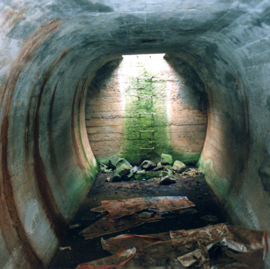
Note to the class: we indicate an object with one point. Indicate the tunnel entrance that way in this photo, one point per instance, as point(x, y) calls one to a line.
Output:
point(140, 106)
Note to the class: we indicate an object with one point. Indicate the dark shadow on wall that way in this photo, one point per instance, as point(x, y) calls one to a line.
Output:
point(193, 93)
point(103, 75)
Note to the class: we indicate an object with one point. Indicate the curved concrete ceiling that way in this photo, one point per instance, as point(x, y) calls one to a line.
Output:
point(50, 50)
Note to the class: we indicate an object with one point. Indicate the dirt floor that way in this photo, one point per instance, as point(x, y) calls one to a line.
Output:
point(207, 212)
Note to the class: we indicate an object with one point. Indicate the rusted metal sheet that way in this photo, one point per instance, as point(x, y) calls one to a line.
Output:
point(117, 260)
point(217, 246)
point(127, 241)
point(107, 225)
point(207, 235)
point(121, 208)
point(122, 213)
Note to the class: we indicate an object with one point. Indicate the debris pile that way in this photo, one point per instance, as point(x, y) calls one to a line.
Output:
point(217, 247)
point(164, 171)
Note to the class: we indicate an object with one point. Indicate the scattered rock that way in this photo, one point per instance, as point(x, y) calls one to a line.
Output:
point(148, 165)
point(128, 177)
point(162, 173)
point(112, 162)
point(178, 166)
point(160, 167)
point(116, 178)
point(131, 174)
point(170, 173)
point(121, 161)
point(140, 175)
point(123, 167)
point(154, 179)
point(166, 159)
point(167, 167)
point(167, 181)
point(191, 172)
point(134, 169)
point(104, 168)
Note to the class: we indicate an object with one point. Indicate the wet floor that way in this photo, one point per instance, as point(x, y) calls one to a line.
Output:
point(207, 212)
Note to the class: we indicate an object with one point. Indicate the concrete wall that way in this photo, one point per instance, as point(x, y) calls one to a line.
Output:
point(50, 51)
point(118, 95)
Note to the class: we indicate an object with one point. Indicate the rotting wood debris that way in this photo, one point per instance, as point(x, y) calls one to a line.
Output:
point(199, 235)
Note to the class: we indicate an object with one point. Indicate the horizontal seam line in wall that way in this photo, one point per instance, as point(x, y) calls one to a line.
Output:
point(107, 126)
point(103, 140)
point(104, 133)
point(187, 124)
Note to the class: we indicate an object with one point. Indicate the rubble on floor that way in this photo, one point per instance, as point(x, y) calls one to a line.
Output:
point(191, 172)
point(166, 159)
point(149, 230)
point(167, 181)
point(216, 247)
point(122, 170)
point(148, 165)
point(179, 166)
point(123, 167)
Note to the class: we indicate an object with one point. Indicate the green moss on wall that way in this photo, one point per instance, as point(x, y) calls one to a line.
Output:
point(219, 184)
point(136, 103)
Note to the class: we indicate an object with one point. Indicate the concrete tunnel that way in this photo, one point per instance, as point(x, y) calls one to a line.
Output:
point(51, 51)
